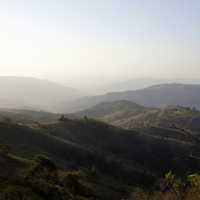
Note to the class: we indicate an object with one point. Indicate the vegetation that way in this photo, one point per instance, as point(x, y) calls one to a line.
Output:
point(187, 188)
point(182, 121)
point(89, 159)
point(41, 180)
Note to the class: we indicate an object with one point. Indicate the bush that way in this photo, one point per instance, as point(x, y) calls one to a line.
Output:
point(172, 188)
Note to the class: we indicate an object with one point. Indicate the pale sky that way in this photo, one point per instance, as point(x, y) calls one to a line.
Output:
point(90, 41)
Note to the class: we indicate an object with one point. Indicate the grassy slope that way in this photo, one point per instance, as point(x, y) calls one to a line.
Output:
point(88, 143)
point(117, 155)
point(139, 151)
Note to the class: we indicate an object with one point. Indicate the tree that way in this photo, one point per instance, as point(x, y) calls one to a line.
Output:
point(42, 176)
point(63, 118)
point(43, 168)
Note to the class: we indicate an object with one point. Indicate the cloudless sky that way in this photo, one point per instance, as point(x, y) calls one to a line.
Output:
point(83, 42)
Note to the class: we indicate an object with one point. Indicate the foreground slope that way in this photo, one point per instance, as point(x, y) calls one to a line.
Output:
point(90, 143)
point(113, 158)
point(40, 178)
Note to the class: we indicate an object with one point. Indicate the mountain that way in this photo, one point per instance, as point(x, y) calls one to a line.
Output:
point(136, 84)
point(130, 84)
point(154, 96)
point(32, 93)
point(129, 115)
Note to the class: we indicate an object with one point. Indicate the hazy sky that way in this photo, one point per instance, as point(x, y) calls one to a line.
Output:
point(82, 41)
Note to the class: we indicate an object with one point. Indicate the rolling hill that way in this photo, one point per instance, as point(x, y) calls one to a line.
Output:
point(111, 158)
point(121, 108)
point(155, 96)
point(90, 143)
point(26, 116)
point(125, 114)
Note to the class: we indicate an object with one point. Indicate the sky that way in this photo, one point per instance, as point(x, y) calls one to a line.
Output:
point(88, 42)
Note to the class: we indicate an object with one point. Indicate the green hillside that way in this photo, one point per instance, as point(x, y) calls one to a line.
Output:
point(110, 161)
point(90, 143)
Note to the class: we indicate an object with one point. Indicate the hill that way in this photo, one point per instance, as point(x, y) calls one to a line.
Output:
point(90, 143)
point(26, 116)
point(119, 108)
point(129, 115)
point(32, 93)
point(155, 96)
point(111, 158)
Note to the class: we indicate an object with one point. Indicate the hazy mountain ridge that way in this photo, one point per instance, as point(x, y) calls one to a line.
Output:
point(130, 84)
point(138, 84)
point(154, 96)
point(33, 93)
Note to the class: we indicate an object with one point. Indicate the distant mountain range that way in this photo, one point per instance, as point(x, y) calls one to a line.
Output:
point(43, 95)
point(155, 96)
point(130, 84)
point(136, 84)
point(32, 93)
